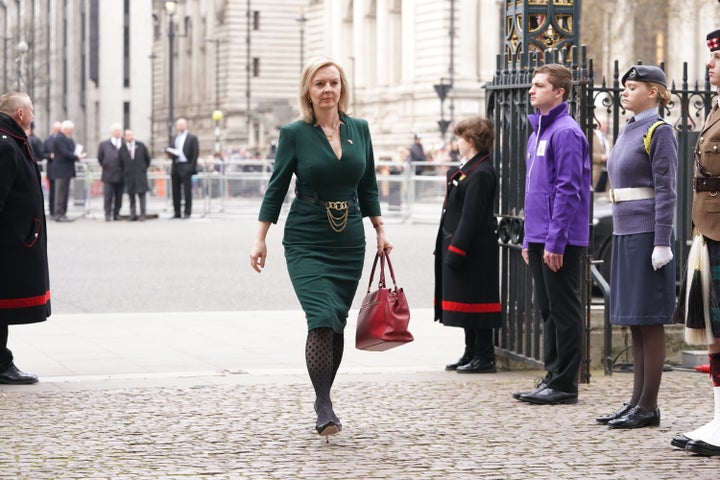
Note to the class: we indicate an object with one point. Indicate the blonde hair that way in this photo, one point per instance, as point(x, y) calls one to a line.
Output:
point(663, 94)
point(306, 109)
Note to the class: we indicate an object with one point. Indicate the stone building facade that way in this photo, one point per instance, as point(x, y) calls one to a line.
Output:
point(103, 61)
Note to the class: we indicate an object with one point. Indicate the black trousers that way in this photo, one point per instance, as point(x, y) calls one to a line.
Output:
point(559, 297)
point(112, 198)
point(480, 344)
point(6, 355)
point(182, 184)
point(51, 196)
point(143, 202)
point(62, 193)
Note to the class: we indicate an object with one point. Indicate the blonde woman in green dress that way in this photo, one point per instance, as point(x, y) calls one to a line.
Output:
point(331, 156)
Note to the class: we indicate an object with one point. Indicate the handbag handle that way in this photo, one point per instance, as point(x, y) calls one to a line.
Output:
point(381, 283)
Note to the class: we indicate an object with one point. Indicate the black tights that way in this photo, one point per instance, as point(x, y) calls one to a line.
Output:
point(323, 354)
point(648, 358)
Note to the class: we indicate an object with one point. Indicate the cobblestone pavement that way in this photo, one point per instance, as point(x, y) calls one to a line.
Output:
point(143, 377)
point(434, 425)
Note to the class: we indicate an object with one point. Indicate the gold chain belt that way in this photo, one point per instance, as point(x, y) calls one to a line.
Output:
point(337, 222)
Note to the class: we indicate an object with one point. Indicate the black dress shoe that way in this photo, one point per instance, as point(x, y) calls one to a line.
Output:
point(680, 441)
point(604, 419)
point(461, 361)
point(12, 376)
point(550, 396)
point(477, 366)
point(540, 386)
point(637, 418)
point(703, 448)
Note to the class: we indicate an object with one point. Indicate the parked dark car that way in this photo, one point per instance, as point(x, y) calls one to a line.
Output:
point(602, 233)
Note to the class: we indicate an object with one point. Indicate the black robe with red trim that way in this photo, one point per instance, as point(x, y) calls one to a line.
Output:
point(467, 292)
point(24, 277)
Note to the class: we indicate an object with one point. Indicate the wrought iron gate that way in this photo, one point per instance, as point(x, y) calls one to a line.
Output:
point(508, 105)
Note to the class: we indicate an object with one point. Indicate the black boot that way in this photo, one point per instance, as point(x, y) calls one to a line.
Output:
point(465, 359)
point(484, 359)
point(478, 365)
point(469, 353)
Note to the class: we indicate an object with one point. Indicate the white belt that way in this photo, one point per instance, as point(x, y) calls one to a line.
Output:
point(635, 193)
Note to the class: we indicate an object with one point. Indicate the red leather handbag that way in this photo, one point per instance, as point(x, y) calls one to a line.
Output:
point(384, 314)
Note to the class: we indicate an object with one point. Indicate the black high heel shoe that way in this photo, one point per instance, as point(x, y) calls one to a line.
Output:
point(327, 423)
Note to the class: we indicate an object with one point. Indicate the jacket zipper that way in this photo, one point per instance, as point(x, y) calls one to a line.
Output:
point(534, 157)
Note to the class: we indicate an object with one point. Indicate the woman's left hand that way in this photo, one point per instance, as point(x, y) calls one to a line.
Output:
point(383, 242)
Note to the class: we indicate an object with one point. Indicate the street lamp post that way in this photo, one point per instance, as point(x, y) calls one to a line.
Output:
point(301, 20)
point(22, 48)
point(442, 90)
point(170, 7)
point(217, 114)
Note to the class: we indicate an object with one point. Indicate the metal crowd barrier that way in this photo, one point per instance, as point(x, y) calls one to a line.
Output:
point(235, 186)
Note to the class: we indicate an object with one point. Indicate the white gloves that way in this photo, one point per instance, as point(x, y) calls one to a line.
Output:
point(661, 256)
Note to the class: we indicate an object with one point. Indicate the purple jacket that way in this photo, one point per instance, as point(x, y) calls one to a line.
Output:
point(557, 182)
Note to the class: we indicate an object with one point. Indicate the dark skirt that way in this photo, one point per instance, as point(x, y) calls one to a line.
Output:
point(640, 295)
point(324, 266)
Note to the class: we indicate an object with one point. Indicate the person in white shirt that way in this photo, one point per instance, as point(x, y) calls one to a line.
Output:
point(184, 153)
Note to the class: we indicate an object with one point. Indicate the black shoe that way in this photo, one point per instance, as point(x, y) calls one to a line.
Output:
point(541, 385)
point(464, 360)
point(133, 218)
point(637, 417)
point(549, 396)
point(116, 217)
point(108, 218)
point(12, 376)
point(327, 422)
point(142, 217)
point(604, 419)
point(63, 219)
point(177, 215)
point(186, 216)
point(680, 441)
point(477, 366)
point(703, 448)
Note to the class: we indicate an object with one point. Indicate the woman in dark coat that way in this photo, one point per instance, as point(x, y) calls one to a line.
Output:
point(466, 249)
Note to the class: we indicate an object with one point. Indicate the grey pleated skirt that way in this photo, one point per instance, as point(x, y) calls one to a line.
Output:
point(640, 295)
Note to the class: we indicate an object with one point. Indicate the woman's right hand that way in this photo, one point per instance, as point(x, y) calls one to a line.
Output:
point(258, 252)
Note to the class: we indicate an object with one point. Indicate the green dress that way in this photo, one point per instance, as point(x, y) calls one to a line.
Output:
point(324, 265)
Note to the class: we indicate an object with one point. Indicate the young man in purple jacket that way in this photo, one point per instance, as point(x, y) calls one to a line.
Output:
point(557, 228)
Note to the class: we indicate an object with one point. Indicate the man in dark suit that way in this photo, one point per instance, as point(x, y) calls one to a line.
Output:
point(184, 153)
point(35, 143)
point(135, 160)
point(49, 172)
point(64, 159)
point(112, 173)
point(25, 285)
